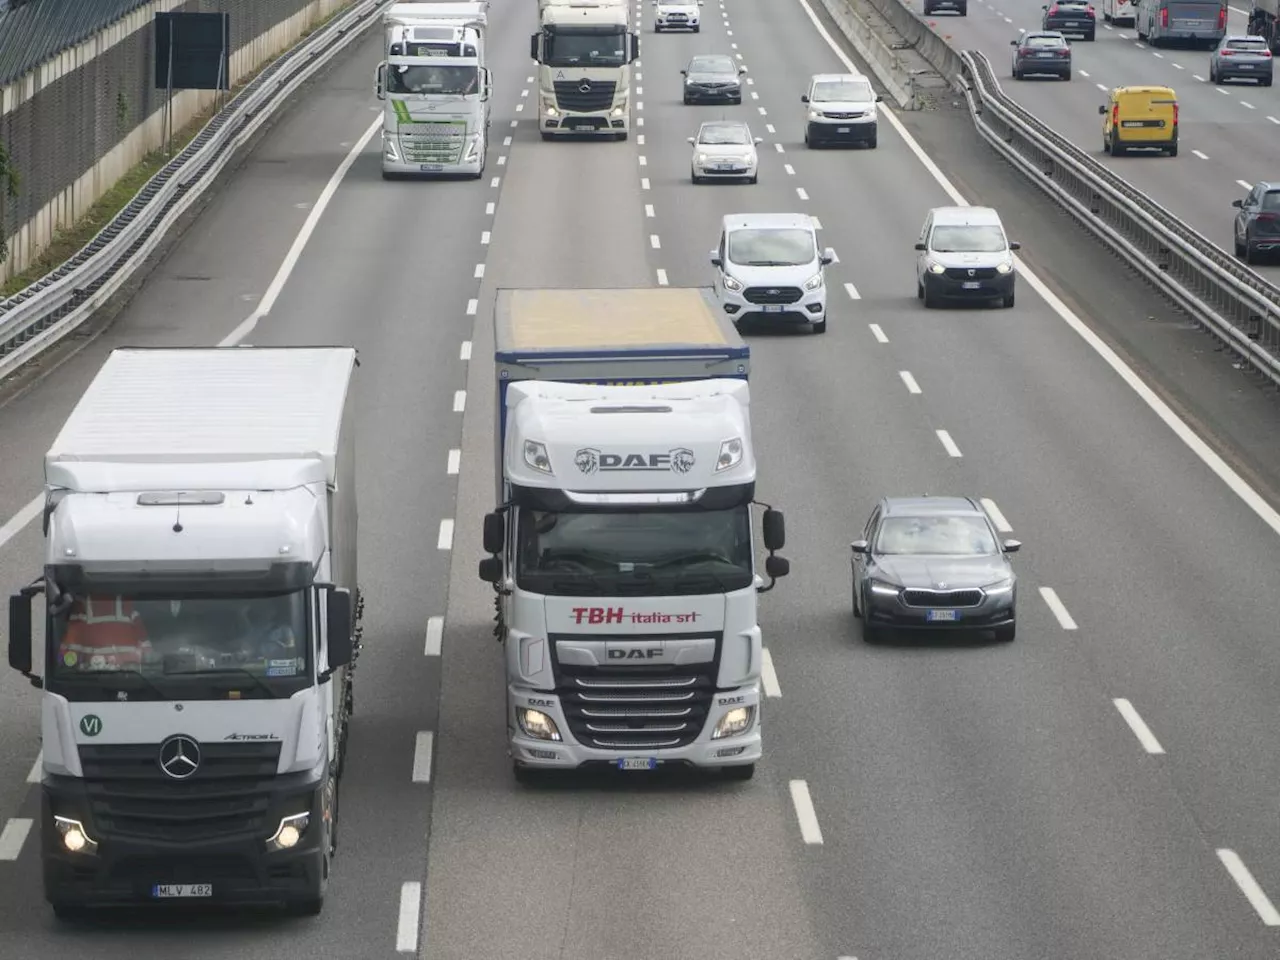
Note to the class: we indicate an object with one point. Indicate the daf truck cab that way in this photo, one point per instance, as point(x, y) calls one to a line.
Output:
point(436, 87)
point(623, 552)
point(200, 627)
point(584, 51)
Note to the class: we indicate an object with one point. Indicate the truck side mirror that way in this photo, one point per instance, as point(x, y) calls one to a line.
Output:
point(491, 570)
point(634, 53)
point(533, 47)
point(338, 622)
point(777, 567)
point(1237, 203)
point(775, 530)
point(486, 80)
point(495, 533)
point(20, 632)
point(380, 81)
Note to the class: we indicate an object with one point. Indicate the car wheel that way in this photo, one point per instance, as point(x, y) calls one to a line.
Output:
point(964, 10)
point(871, 144)
point(919, 290)
point(694, 178)
point(1017, 74)
point(1239, 249)
point(928, 10)
point(740, 772)
point(1250, 255)
point(69, 912)
point(687, 101)
point(1266, 81)
point(1173, 150)
point(819, 326)
point(1090, 36)
point(853, 591)
point(545, 135)
point(1007, 302)
point(1067, 75)
point(696, 29)
point(930, 301)
point(1006, 634)
point(755, 179)
point(737, 101)
point(872, 635)
point(656, 28)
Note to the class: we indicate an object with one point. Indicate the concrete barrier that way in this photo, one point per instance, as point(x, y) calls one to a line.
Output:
point(927, 37)
point(886, 64)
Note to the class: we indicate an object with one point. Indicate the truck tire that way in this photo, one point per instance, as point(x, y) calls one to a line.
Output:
point(527, 776)
point(743, 771)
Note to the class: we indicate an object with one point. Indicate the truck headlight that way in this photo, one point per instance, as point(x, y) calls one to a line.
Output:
point(814, 282)
point(535, 455)
point(730, 454)
point(732, 284)
point(289, 832)
point(1004, 267)
point(885, 589)
point(537, 724)
point(75, 839)
point(549, 109)
point(734, 722)
point(937, 268)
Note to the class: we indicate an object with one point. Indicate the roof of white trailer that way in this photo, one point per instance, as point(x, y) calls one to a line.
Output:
point(210, 405)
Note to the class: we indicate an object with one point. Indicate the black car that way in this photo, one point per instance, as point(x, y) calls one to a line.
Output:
point(933, 563)
point(1045, 53)
point(1070, 17)
point(959, 6)
point(713, 78)
point(1257, 226)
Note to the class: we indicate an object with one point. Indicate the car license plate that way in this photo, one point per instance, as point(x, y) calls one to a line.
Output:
point(1246, 66)
point(637, 763)
point(1044, 53)
point(842, 129)
point(431, 167)
point(970, 285)
point(726, 166)
point(166, 891)
point(935, 616)
point(772, 308)
point(1075, 23)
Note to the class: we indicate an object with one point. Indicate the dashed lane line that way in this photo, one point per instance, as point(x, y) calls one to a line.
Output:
point(910, 382)
point(852, 291)
point(464, 351)
point(1138, 726)
point(805, 814)
point(878, 333)
point(453, 463)
point(423, 748)
point(459, 401)
point(801, 194)
point(1260, 902)
point(409, 917)
point(662, 277)
point(1057, 608)
point(654, 242)
point(996, 516)
point(444, 539)
point(13, 837)
point(948, 444)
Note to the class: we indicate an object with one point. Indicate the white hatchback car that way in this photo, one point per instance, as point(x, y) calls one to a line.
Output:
point(669, 15)
point(768, 266)
point(724, 150)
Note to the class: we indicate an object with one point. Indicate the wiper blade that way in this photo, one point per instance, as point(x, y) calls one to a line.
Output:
point(99, 675)
point(769, 263)
point(216, 671)
point(704, 556)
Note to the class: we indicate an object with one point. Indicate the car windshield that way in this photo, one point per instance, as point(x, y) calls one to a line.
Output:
point(1042, 41)
point(725, 133)
point(1271, 200)
point(455, 81)
point(968, 238)
point(772, 247)
point(835, 91)
point(712, 65)
point(585, 47)
point(963, 536)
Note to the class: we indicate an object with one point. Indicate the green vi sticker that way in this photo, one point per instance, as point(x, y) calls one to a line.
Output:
point(91, 724)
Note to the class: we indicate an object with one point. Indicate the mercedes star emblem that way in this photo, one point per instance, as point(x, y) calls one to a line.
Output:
point(179, 757)
point(941, 585)
point(971, 272)
point(584, 87)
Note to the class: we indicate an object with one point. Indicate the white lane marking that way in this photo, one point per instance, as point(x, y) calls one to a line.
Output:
point(493, 184)
point(648, 209)
point(852, 291)
point(13, 837)
point(643, 161)
point(639, 76)
point(422, 749)
point(459, 401)
point(768, 676)
point(524, 93)
point(1177, 66)
point(1248, 886)
point(528, 79)
point(484, 238)
point(640, 139)
point(750, 82)
point(910, 381)
point(769, 128)
point(1269, 515)
point(639, 121)
point(277, 282)
point(479, 271)
point(1084, 74)
point(1196, 76)
point(1202, 156)
point(22, 518)
point(489, 208)
point(444, 540)
point(805, 813)
point(1100, 86)
point(1225, 93)
point(1273, 119)
point(948, 444)
point(791, 171)
point(654, 241)
point(763, 111)
point(639, 91)
point(1138, 726)
point(464, 352)
point(1058, 608)
point(1247, 106)
point(37, 769)
point(519, 107)
point(1246, 184)
point(502, 160)
point(515, 123)
point(662, 277)
point(472, 307)
point(639, 104)
point(878, 333)
point(996, 516)
point(778, 147)
point(1160, 55)
point(817, 224)
point(506, 141)
point(801, 194)
point(754, 95)
point(410, 913)
point(454, 462)
point(1141, 46)
point(733, 46)
point(644, 183)
point(1008, 19)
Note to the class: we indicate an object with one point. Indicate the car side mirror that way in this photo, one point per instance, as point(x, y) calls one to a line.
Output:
point(879, 98)
point(1013, 43)
point(741, 71)
point(490, 570)
point(759, 140)
point(533, 47)
point(380, 81)
point(20, 632)
point(1011, 546)
point(1102, 111)
point(776, 567)
point(922, 246)
point(684, 73)
point(690, 139)
point(338, 623)
point(1237, 203)
point(495, 532)
point(804, 98)
point(826, 259)
point(716, 259)
point(859, 546)
point(1015, 245)
point(775, 530)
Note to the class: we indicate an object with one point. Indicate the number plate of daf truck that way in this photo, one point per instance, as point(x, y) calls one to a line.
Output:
point(431, 167)
point(935, 616)
point(167, 891)
point(637, 763)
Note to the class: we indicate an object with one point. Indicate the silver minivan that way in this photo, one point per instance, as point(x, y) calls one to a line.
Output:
point(963, 254)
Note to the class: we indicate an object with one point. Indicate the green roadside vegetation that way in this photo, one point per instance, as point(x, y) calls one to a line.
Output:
point(69, 241)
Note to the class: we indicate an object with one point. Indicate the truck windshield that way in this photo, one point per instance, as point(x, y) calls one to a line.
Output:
point(643, 551)
point(449, 81)
point(585, 47)
point(157, 646)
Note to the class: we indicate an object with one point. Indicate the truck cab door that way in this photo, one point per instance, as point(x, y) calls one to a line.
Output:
point(717, 269)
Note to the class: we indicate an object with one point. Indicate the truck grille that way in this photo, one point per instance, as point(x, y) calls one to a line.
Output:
point(584, 96)
point(228, 797)
point(942, 598)
point(771, 294)
point(432, 142)
point(970, 273)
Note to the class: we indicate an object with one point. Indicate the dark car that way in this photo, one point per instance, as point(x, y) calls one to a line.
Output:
point(713, 78)
point(959, 6)
point(1070, 17)
point(1045, 53)
point(1257, 230)
point(933, 563)
point(1242, 58)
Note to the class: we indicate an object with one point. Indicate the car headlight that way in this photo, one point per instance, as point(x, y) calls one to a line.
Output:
point(75, 839)
point(815, 114)
point(937, 268)
point(732, 284)
point(885, 589)
point(289, 832)
point(702, 158)
point(814, 282)
point(1004, 267)
point(536, 724)
point(730, 454)
point(535, 455)
point(734, 722)
point(999, 588)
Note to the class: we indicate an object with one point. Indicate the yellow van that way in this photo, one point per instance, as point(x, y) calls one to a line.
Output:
point(1138, 118)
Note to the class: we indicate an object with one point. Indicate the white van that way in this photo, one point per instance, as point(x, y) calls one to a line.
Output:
point(769, 267)
point(963, 254)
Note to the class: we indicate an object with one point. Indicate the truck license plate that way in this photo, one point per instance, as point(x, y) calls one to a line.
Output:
point(637, 763)
point(937, 615)
point(970, 285)
point(773, 308)
point(431, 167)
point(165, 891)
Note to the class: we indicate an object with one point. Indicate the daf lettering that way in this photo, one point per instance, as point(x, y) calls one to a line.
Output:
point(648, 653)
point(538, 702)
point(724, 701)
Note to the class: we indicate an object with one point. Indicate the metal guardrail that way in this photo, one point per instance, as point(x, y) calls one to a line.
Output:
point(42, 314)
point(1225, 297)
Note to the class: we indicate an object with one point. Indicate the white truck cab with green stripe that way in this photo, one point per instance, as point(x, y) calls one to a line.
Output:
point(435, 86)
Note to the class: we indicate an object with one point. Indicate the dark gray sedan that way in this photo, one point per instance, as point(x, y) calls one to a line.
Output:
point(933, 563)
point(713, 78)
point(1257, 226)
point(1045, 52)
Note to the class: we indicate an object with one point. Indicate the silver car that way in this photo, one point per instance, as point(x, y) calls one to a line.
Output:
point(1241, 58)
point(724, 150)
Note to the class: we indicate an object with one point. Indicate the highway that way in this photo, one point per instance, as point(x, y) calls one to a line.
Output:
point(1103, 787)
point(1229, 133)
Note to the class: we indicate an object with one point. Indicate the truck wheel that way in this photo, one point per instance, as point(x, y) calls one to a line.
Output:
point(743, 771)
point(528, 776)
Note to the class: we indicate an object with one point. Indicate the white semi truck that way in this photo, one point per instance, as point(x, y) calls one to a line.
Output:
point(584, 51)
point(201, 623)
point(623, 552)
point(436, 88)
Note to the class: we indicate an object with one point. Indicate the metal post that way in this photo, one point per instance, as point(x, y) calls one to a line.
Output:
point(169, 103)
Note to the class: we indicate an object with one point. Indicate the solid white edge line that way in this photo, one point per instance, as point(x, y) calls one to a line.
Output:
point(1138, 726)
point(1057, 608)
point(909, 381)
point(37, 768)
point(769, 676)
point(20, 519)
point(948, 444)
point(410, 912)
point(435, 637)
point(444, 541)
point(1249, 887)
point(13, 837)
point(454, 463)
point(808, 817)
point(996, 516)
point(423, 745)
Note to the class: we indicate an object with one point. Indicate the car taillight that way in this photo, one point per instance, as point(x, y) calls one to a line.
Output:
point(1053, 10)
point(1175, 114)
point(1064, 53)
point(1089, 11)
point(1164, 16)
point(1268, 216)
point(1115, 115)
point(1222, 18)
point(1226, 52)
point(1266, 54)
